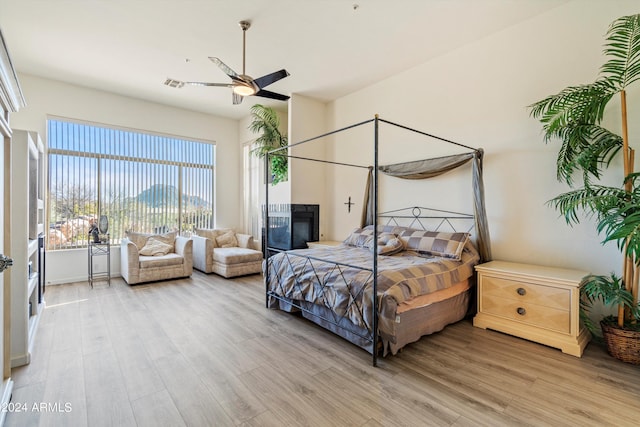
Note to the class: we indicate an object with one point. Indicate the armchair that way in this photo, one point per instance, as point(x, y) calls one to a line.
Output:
point(224, 252)
point(153, 257)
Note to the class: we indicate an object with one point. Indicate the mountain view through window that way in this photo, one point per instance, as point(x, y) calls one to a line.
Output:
point(140, 181)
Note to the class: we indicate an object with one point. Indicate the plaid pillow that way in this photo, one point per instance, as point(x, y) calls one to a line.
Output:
point(435, 243)
point(360, 237)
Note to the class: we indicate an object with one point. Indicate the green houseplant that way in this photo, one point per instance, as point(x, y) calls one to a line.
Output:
point(265, 123)
point(574, 117)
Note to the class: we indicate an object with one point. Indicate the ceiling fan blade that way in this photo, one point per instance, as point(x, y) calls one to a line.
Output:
point(237, 99)
point(228, 71)
point(179, 83)
point(271, 95)
point(268, 79)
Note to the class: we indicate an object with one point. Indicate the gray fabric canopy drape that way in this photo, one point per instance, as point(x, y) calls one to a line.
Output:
point(429, 168)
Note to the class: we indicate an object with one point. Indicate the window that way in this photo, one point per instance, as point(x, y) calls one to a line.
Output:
point(251, 206)
point(141, 181)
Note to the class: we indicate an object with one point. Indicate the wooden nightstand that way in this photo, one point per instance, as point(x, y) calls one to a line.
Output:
point(537, 303)
point(324, 244)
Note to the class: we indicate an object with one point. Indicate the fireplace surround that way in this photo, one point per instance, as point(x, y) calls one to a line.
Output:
point(291, 226)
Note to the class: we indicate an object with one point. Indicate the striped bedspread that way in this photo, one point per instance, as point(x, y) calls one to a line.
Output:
point(341, 278)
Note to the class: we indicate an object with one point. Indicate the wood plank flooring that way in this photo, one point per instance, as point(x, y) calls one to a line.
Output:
point(205, 351)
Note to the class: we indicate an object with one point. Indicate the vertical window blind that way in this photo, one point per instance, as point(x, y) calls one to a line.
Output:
point(141, 181)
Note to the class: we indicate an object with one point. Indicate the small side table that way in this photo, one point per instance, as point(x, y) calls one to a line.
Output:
point(99, 249)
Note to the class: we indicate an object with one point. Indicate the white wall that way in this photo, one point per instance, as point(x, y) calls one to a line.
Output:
point(478, 95)
point(307, 119)
point(46, 97)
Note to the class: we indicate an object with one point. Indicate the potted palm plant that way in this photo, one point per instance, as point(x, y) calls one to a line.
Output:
point(574, 117)
point(265, 123)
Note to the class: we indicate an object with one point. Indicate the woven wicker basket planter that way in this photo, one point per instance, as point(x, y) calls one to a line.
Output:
point(622, 344)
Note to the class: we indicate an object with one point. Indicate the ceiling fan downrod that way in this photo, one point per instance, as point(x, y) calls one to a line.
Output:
point(245, 25)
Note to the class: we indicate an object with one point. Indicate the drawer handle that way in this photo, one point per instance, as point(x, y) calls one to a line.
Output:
point(521, 291)
point(521, 311)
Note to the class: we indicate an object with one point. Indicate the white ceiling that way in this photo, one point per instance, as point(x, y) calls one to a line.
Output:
point(330, 47)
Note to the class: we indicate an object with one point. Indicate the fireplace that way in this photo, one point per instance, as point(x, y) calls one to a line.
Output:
point(291, 226)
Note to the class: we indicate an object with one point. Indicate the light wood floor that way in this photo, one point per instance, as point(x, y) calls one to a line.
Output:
point(206, 352)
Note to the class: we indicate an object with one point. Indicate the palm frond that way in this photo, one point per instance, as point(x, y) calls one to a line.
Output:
point(592, 200)
point(265, 123)
point(573, 105)
point(622, 225)
point(623, 47)
point(587, 147)
point(610, 290)
point(601, 149)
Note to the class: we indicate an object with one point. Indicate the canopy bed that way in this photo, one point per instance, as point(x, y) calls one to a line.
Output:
point(395, 278)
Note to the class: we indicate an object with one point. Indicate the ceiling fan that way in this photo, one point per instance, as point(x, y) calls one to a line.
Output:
point(241, 84)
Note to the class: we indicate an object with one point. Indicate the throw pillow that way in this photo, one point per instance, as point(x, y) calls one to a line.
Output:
point(140, 239)
point(155, 247)
point(212, 233)
point(227, 240)
point(435, 243)
point(388, 244)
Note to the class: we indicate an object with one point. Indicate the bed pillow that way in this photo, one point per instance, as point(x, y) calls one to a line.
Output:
point(360, 237)
point(435, 243)
point(388, 244)
point(155, 247)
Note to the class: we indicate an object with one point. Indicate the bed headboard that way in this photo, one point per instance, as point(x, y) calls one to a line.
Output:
point(428, 219)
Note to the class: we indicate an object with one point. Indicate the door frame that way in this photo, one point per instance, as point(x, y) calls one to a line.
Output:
point(11, 100)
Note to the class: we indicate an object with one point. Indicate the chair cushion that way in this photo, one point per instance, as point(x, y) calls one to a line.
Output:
point(167, 260)
point(236, 255)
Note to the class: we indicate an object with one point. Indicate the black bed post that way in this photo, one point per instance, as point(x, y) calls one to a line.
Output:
point(265, 224)
point(375, 242)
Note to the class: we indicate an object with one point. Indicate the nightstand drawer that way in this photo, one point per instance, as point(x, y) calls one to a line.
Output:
point(554, 319)
point(546, 296)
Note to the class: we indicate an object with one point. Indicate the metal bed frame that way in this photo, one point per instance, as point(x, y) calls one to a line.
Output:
point(415, 215)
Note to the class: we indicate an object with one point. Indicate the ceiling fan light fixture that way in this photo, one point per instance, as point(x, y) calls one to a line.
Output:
point(244, 90)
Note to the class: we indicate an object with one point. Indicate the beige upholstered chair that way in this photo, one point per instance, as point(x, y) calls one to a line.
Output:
point(151, 257)
point(224, 252)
